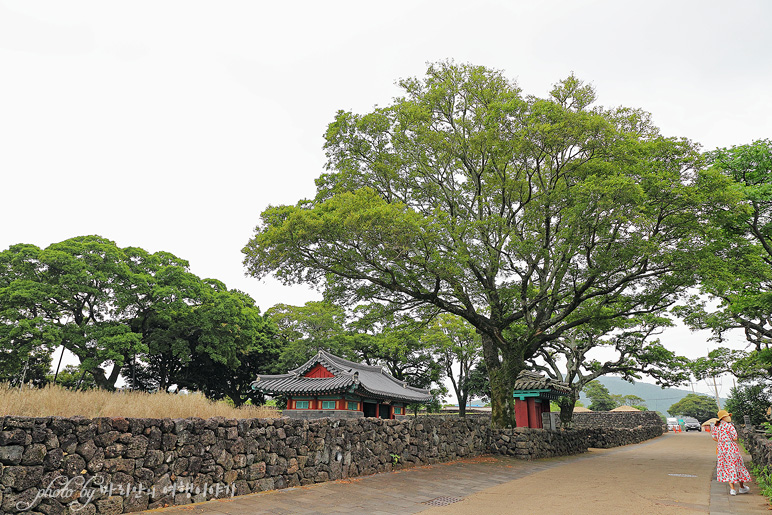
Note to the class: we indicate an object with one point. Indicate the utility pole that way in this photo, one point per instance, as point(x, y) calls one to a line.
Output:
point(56, 374)
point(715, 389)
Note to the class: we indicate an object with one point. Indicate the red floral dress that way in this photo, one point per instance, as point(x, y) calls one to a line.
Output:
point(730, 467)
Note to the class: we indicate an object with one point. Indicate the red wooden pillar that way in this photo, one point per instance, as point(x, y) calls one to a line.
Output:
point(521, 413)
point(544, 407)
point(534, 418)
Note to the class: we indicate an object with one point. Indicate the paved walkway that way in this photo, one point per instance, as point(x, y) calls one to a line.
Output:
point(673, 474)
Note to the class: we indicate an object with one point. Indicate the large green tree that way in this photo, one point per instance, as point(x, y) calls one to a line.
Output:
point(76, 292)
point(127, 310)
point(231, 344)
point(304, 330)
point(694, 405)
point(630, 349)
point(457, 347)
point(752, 400)
point(600, 397)
point(738, 270)
point(525, 216)
point(26, 338)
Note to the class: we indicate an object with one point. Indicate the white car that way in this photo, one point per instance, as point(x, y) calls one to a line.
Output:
point(672, 424)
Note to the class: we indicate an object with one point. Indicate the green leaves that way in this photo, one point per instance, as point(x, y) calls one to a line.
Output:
point(700, 407)
point(525, 216)
point(737, 270)
point(126, 309)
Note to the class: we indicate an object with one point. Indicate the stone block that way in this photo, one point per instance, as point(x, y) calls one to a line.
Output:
point(34, 454)
point(11, 454)
point(111, 506)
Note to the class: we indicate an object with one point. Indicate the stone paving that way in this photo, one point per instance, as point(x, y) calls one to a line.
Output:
point(463, 486)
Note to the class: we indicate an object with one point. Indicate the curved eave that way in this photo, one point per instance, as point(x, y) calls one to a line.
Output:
point(290, 384)
point(367, 392)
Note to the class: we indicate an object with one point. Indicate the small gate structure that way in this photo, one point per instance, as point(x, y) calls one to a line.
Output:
point(533, 393)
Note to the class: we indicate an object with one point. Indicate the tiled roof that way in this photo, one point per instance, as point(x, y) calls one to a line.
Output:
point(527, 380)
point(365, 380)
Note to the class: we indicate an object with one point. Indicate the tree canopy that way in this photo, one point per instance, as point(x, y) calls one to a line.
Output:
point(127, 310)
point(525, 216)
point(694, 405)
point(635, 352)
point(738, 270)
point(600, 397)
point(752, 400)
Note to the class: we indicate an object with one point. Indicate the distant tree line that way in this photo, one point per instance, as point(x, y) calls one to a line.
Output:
point(127, 311)
point(124, 312)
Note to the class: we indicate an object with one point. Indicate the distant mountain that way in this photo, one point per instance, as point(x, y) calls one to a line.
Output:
point(657, 398)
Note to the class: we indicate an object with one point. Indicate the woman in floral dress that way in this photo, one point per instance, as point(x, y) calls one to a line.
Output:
point(730, 467)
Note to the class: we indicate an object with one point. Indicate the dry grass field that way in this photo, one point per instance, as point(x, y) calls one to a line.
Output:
point(58, 401)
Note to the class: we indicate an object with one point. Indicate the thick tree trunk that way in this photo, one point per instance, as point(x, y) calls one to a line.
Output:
point(502, 372)
point(567, 404)
point(103, 381)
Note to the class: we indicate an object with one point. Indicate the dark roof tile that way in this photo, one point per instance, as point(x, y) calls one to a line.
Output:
point(367, 381)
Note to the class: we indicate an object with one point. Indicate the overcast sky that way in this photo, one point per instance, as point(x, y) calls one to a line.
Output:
point(171, 125)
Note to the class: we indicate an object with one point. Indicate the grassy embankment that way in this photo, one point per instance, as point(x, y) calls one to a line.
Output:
point(58, 401)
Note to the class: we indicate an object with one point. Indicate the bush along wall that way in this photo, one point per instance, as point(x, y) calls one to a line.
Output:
point(85, 466)
point(758, 445)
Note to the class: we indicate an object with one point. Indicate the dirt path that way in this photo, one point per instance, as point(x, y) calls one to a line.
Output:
point(669, 475)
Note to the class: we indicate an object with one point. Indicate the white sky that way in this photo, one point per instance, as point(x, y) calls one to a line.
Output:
point(170, 125)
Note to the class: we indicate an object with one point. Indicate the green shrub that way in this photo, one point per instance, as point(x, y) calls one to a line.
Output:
point(763, 479)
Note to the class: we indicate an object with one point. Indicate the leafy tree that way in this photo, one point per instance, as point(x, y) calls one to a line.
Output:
point(162, 302)
point(72, 292)
point(233, 344)
point(738, 270)
point(25, 366)
point(525, 216)
point(379, 336)
point(217, 345)
point(750, 399)
point(600, 397)
point(477, 383)
point(73, 378)
point(635, 352)
point(633, 401)
point(306, 329)
point(694, 405)
point(26, 339)
point(457, 345)
point(130, 310)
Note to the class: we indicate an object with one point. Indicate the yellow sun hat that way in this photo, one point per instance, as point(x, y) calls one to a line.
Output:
point(723, 413)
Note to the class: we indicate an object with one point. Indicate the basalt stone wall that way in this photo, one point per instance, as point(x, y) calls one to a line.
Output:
point(85, 466)
point(529, 444)
point(616, 419)
point(759, 446)
point(605, 438)
point(113, 465)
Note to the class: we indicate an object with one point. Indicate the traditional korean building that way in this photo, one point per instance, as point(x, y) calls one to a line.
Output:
point(330, 386)
point(533, 393)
